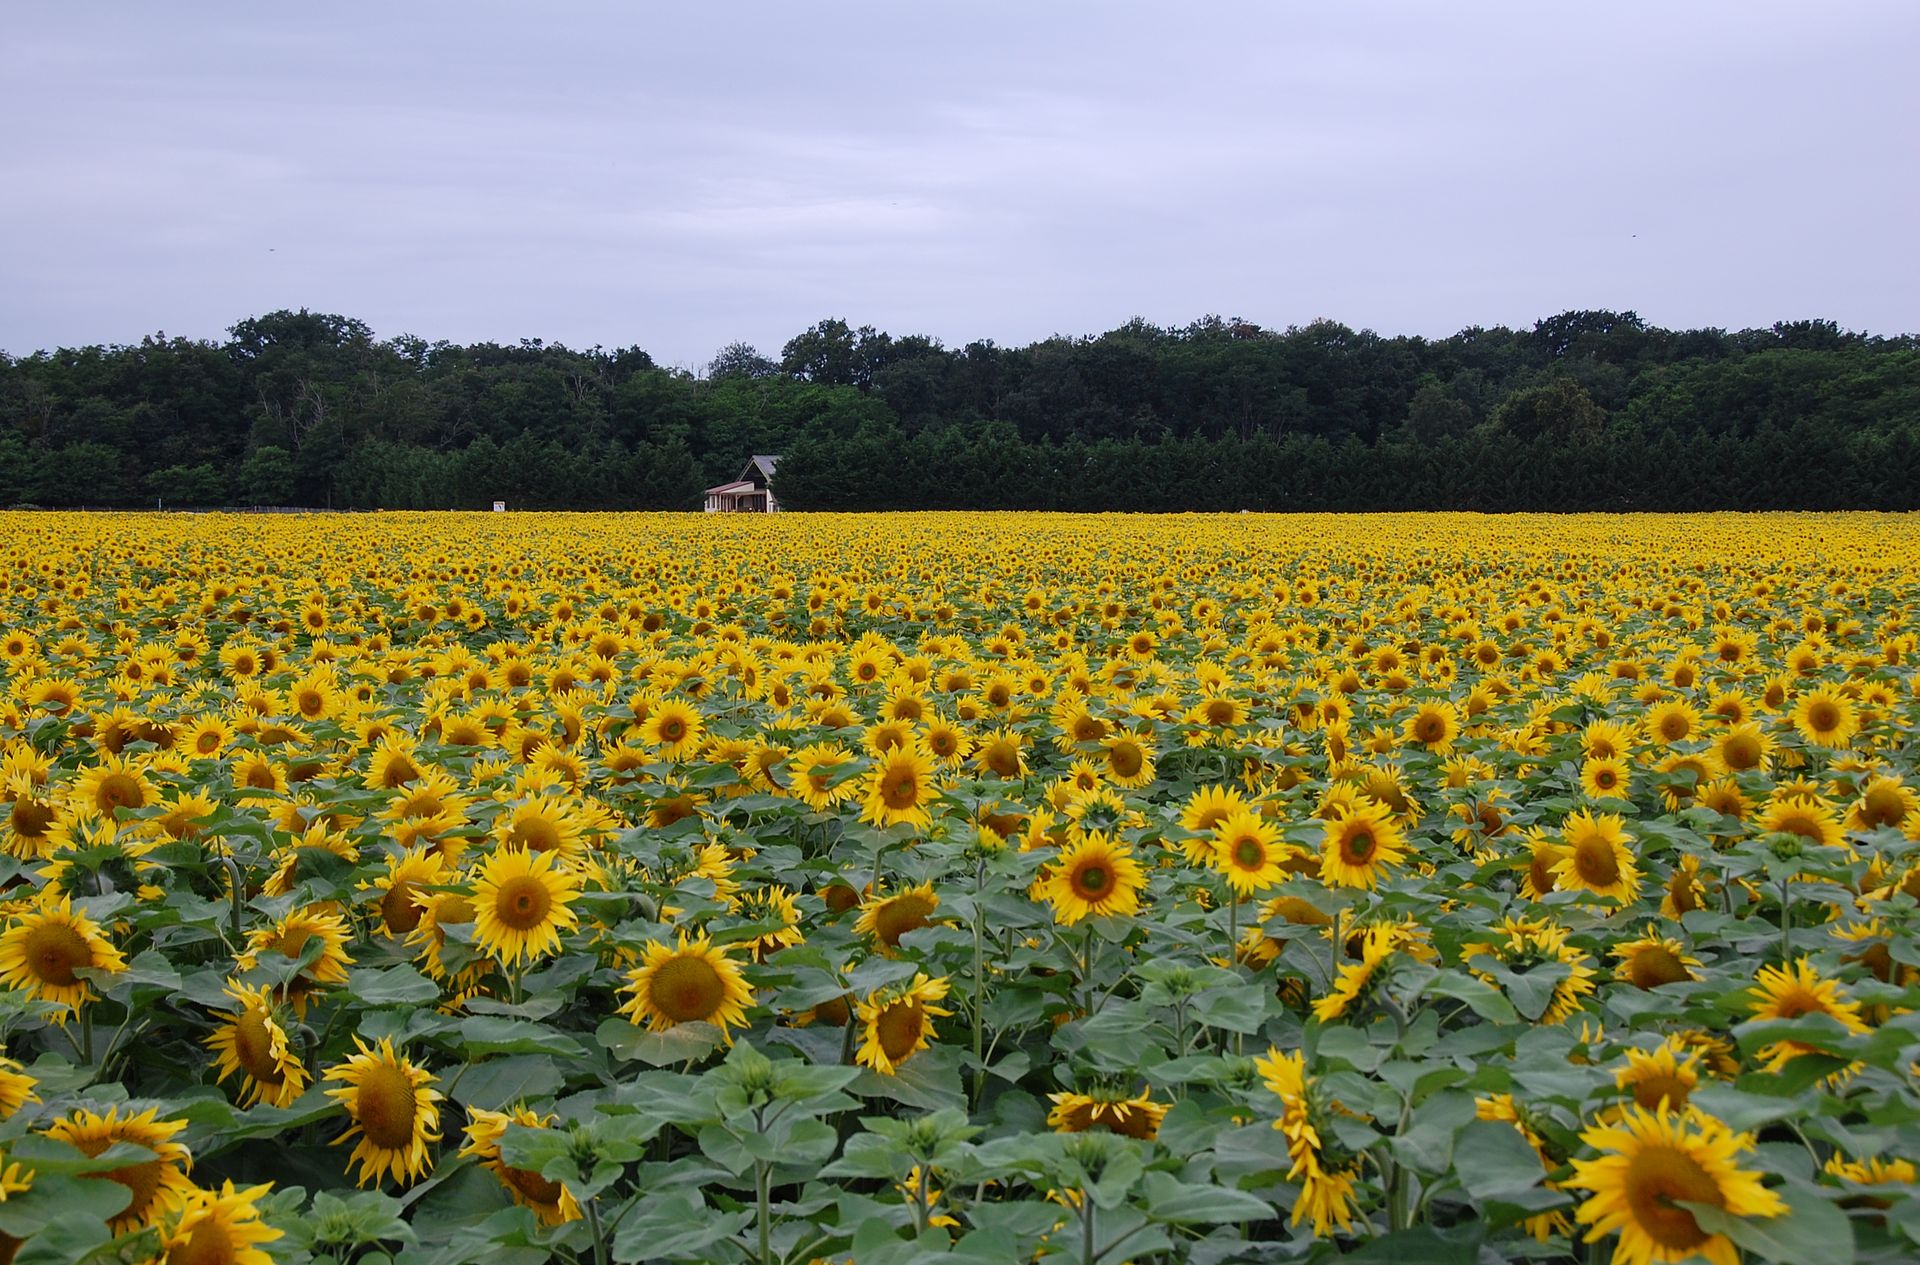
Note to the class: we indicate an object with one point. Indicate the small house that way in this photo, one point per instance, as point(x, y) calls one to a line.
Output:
point(751, 493)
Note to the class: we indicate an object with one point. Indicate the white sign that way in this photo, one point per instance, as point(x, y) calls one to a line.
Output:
point(499, 507)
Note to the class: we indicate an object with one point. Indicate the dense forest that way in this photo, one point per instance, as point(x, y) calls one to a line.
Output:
point(1586, 410)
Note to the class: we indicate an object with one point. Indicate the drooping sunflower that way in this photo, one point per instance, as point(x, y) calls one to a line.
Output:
point(551, 1201)
point(394, 1110)
point(253, 1043)
point(693, 981)
point(1652, 1162)
point(521, 905)
point(1248, 850)
point(1826, 718)
point(899, 788)
point(1326, 1179)
point(887, 918)
point(1598, 859)
point(42, 948)
point(898, 1022)
point(159, 1185)
point(17, 1087)
point(407, 875)
point(1093, 875)
point(1361, 845)
point(1355, 980)
point(772, 905)
point(1107, 1111)
point(1793, 992)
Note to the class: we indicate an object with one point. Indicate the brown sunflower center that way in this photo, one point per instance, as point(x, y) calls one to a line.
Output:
point(253, 1048)
point(1882, 806)
point(30, 818)
point(397, 908)
point(1357, 845)
point(1004, 759)
point(894, 918)
point(1823, 716)
point(535, 1187)
point(209, 1243)
point(687, 988)
point(1649, 1091)
point(1658, 1180)
point(1219, 712)
point(54, 951)
point(119, 790)
point(1741, 752)
point(1091, 880)
point(536, 834)
point(1429, 728)
point(902, 790)
point(899, 1027)
point(1126, 759)
point(1656, 965)
point(522, 902)
point(1248, 854)
point(1595, 862)
point(385, 1107)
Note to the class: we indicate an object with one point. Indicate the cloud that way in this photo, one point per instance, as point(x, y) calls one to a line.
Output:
point(617, 174)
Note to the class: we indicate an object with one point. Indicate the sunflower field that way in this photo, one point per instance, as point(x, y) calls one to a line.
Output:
point(995, 887)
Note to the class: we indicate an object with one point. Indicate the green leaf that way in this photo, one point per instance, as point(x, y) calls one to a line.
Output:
point(481, 1035)
point(1493, 1161)
point(1481, 997)
point(1184, 1203)
point(1813, 1231)
point(392, 986)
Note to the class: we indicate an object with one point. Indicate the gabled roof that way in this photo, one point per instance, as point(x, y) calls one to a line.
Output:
point(764, 463)
point(739, 485)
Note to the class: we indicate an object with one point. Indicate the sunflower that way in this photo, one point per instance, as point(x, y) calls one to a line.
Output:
point(520, 905)
point(221, 1227)
point(821, 775)
point(774, 906)
point(1093, 875)
point(1128, 760)
point(541, 823)
point(1885, 803)
point(673, 728)
point(44, 946)
point(898, 1022)
point(688, 983)
point(1652, 1162)
point(1107, 1111)
point(1433, 726)
point(1663, 1077)
point(392, 1105)
point(289, 937)
point(1789, 993)
point(253, 1043)
point(17, 1087)
point(1653, 960)
point(1811, 818)
point(899, 788)
point(159, 1185)
point(1530, 942)
point(1248, 850)
point(887, 918)
point(1606, 777)
point(1597, 858)
point(551, 1201)
point(1685, 892)
point(1001, 753)
point(115, 783)
point(407, 874)
point(1326, 1189)
point(1825, 717)
point(1671, 722)
point(1361, 845)
point(1743, 748)
point(1352, 985)
point(1543, 854)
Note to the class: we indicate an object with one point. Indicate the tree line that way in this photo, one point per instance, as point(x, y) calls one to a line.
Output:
point(1585, 410)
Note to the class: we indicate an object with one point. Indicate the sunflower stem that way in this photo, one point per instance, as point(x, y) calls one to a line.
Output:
point(593, 1228)
point(1786, 924)
point(762, 1188)
point(1087, 1255)
point(979, 983)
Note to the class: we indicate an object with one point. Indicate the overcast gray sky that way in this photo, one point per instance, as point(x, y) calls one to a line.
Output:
point(678, 177)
